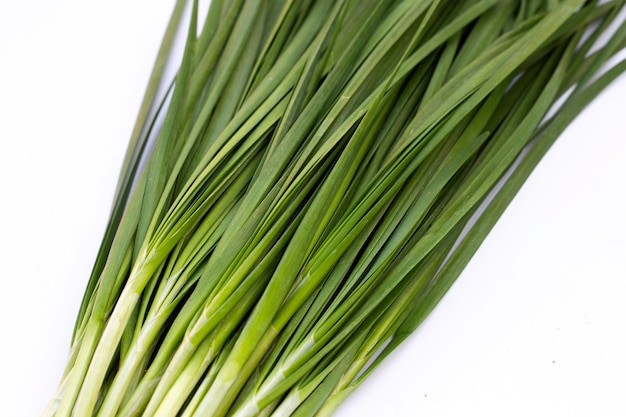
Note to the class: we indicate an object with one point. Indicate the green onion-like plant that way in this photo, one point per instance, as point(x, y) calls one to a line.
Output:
point(315, 178)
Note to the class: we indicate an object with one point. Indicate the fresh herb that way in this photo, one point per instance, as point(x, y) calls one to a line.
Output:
point(323, 172)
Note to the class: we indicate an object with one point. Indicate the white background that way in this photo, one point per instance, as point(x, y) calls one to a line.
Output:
point(534, 326)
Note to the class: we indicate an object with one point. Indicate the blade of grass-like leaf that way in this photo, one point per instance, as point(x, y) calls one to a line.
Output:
point(277, 33)
point(487, 29)
point(331, 250)
point(386, 324)
point(208, 378)
point(475, 236)
point(307, 397)
point(93, 324)
point(485, 177)
point(301, 93)
point(211, 51)
point(397, 312)
point(162, 306)
point(227, 104)
point(254, 332)
point(134, 151)
point(169, 401)
point(323, 333)
point(234, 47)
point(257, 278)
point(209, 29)
point(605, 52)
point(289, 366)
point(86, 400)
point(491, 74)
point(367, 130)
point(205, 326)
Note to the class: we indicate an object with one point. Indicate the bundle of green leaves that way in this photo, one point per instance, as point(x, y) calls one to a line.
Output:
point(320, 173)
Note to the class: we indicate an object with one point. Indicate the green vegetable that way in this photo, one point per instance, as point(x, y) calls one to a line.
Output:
point(323, 172)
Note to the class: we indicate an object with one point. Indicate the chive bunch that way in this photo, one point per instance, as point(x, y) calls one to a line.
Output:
point(322, 171)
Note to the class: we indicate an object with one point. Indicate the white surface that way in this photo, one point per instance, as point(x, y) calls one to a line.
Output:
point(534, 326)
